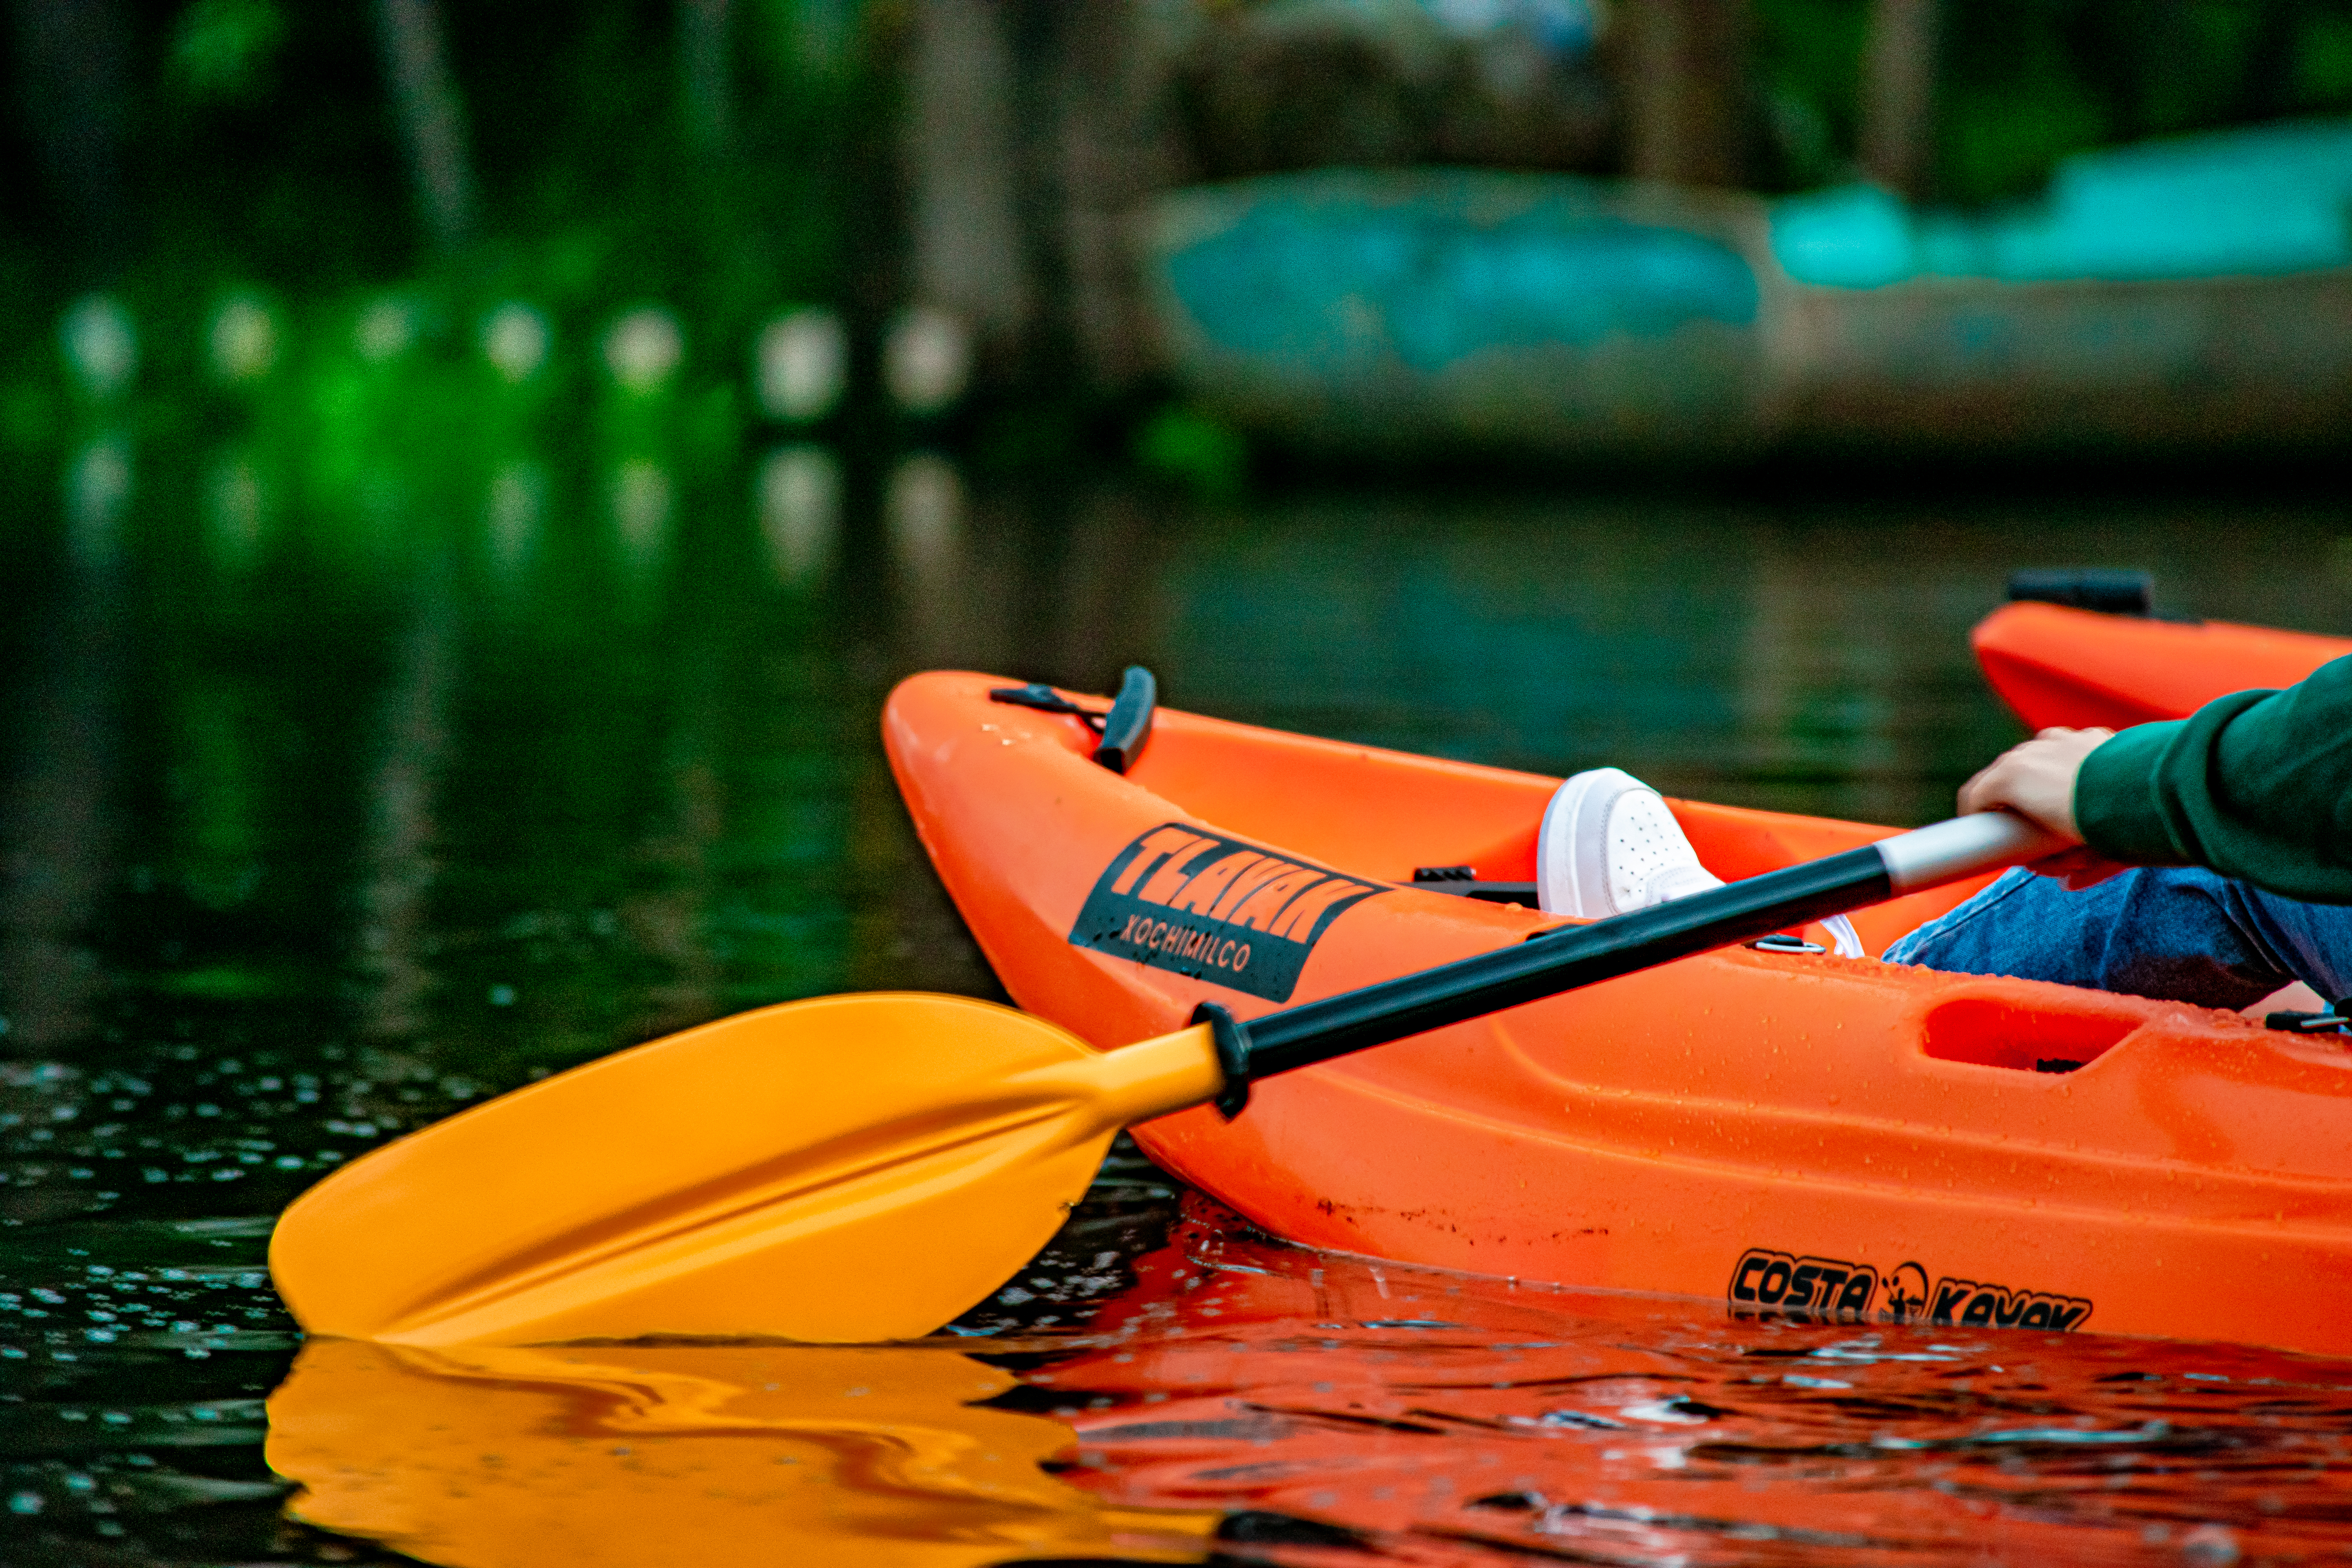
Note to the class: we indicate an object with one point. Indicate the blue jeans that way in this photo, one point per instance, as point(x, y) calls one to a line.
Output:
point(2175, 933)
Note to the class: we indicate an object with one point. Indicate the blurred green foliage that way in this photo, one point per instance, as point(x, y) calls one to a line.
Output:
point(263, 150)
point(265, 163)
point(2324, 64)
point(1808, 57)
point(2025, 82)
point(1189, 447)
point(264, 159)
point(223, 50)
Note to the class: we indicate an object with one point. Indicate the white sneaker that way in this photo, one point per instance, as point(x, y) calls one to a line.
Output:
point(1609, 846)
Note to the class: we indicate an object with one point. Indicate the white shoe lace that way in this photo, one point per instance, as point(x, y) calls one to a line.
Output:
point(1843, 939)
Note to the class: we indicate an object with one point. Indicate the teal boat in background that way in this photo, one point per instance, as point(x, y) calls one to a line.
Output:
point(2192, 293)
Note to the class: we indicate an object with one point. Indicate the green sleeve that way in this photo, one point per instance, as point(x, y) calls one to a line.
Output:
point(2257, 785)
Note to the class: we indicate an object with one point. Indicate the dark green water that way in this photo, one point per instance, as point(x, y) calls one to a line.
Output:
point(321, 823)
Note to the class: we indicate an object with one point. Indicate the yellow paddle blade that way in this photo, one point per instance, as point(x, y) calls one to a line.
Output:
point(855, 1168)
point(711, 1455)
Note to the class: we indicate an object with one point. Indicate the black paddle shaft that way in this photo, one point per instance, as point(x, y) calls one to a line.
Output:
point(1563, 959)
point(1544, 966)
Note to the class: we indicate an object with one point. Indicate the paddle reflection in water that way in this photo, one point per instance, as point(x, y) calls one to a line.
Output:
point(711, 1455)
point(1346, 1410)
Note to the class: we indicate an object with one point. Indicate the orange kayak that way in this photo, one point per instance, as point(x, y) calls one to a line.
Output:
point(2055, 664)
point(1791, 1133)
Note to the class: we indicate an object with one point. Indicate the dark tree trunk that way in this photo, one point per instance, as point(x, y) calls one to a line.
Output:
point(432, 116)
point(1115, 147)
point(1689, 113)
point(74, 82)
point(1898, 96)
point(705, 82)
point(1034, 128)
point(965, 221)
point(2270, 89)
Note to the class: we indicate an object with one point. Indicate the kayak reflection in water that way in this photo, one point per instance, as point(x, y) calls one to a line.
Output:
point(2214, 859)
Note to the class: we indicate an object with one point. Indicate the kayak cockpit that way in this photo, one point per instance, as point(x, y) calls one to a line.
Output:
point(1386, 815)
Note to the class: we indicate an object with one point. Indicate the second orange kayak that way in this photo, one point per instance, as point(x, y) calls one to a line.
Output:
point(1789, 1133)
point(2055, 664)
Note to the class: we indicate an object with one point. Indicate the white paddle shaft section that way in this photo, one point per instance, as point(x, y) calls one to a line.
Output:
point(1964, 847)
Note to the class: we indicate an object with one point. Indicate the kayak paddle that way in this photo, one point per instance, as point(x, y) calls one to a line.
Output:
point(866, 1167)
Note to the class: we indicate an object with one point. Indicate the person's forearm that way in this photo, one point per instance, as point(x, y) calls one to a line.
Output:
point(2256, 785)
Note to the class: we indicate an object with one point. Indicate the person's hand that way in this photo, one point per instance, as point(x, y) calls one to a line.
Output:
point(2035, 779)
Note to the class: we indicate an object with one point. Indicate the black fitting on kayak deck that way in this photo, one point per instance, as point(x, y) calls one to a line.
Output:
point(1231, 1042)
point(1046, 699)
point(1781, 941)
point(1122, 731)
point(1463, 881)
point(2335, 1021)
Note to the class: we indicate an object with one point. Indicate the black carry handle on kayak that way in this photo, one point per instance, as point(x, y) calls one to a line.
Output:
point(1127, 725)
point(1569, 956)
point(2109, 590)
